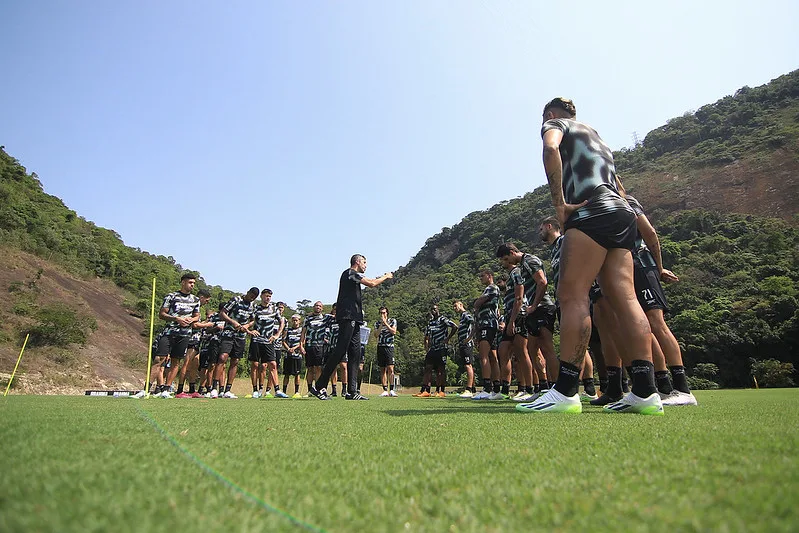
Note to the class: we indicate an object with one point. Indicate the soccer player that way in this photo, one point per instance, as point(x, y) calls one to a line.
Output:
point(439, 332)
point(292, 366)
point(312, 344)
point(191, 367)
point(281, 307)
point(266, 321)
point(648, 273)
point(600, 231)
point(236, 313)
point(349, 315)
point(466, 331)
point(209, 350)
point(514, 337)
point(385, 330)
point(180, 310)
point(486, 307)
point(331, 345)
point(365, 332)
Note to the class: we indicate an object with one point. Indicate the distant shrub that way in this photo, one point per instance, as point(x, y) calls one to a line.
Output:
point(696, 383)
point(772, 373)
point(59, 325)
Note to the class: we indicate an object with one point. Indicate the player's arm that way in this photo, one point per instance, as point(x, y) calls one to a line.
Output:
point(427, 342)
point(553, 166)
point(478, 303)
point(280, 329)
point(652, 241)
point(163, 313)
point(389, 328)
point(374, 282)
point(302, 339)
point(540, 287)
point(453, 330)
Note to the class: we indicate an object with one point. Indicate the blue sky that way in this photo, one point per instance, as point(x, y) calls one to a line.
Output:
point(262, 142)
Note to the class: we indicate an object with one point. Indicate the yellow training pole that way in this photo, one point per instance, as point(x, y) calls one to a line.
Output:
point(16, 365)
point(369, 379)
point(150, 349)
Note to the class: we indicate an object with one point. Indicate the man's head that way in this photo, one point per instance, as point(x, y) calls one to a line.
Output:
point(317, 308)
point(384, 312)
point(508, 255)
point(333, 310)
point(358, 263)
point(266, 296)
point(204, 295)
point(559, 108)
point(486, 277)
point(434, 311)
point(295, 321)
point(549, 230)
point(252, 294)
point(187, 282)
point(281, 306)
point(458, 306)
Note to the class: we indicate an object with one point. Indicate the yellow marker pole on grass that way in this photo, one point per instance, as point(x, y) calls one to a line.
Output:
point(16, 365)
point(150, 349)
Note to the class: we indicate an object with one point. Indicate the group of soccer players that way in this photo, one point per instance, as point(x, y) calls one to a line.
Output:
point(607, 272)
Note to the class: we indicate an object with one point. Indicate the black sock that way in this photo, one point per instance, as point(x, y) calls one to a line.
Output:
point(180, 388)
point(537, 388)
point(391, 386)
point(625, 382)
point(255, 388)
point(568, 379)
point(588, 386)
point(680, 380)
point(496, 386)
point(614, 388)
point(334, 389)
point(603, 385)
point(215, 385)
point(487, 385)
point(227, 387)
point(528, 390)
point(643, 377)
point(505, 387)
point(192, 388)
point(385, 388)
point(473, 389)
point(663, 382)
point(544, 385)
point(423, 388)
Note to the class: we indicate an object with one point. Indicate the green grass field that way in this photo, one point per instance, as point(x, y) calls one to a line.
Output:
point(396, 464)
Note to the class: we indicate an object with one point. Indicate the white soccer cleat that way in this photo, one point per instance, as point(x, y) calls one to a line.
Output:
point(393, 393)
point(524, 397)
point(466, 394)
point(230, 395)
point(631, 403)
point(256, 395)
point(497, 396)
point(139, 394)
point(166, 395)
point(214, 393)
point(585, 398)
point(679, 398)
point(384, 394)
point(518, 395)
point(482, 395)
point(552, 402)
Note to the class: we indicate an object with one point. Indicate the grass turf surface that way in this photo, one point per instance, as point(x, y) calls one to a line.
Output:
point(392, 464)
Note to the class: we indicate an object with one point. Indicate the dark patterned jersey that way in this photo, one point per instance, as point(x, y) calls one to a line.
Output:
point(438, 331)
point(465, 327)
point(641, 254)
point(348, 303)
point(267, 322)
point(554, 259)
point(212, 332)
point(292, 338)
point(178, 304)
point(385, 337)
point(529, 265)
point(514, 279)
point(240, 311)
point(587, 160)
point(316, 329)
point(279, 340)
point(488, 314)
point(333, 331)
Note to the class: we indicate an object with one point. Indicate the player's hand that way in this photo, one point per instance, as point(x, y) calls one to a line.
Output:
point(565, 211)
point(667, 276)
point(254, 333)
point(511, 329)
point(302, 350)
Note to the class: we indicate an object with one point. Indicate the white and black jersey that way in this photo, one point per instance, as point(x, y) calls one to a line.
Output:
point(385, 337)
point(529, 265)
point(465, 328)
point(292, 338)
point(554, 259)
point(240, 311)
point(488, 314)
point(514, 279)
point(279, 340)
point(438, 331)
point(332, 331)
point(212, 332)
point(178, 304)
point(316, 327)
point(267, 322)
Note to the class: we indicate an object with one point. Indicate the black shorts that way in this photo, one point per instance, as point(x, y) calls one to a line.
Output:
point(385, 356)
point(521, 329)
point(173, 345)
point(292, 366)
point(233, 346)
point(209, 351)
point(487, 334)
point(466, 351)
point(436, 357)
point(313, 355)
point(607, 219)
point(594, 293)
point(261, 352)
point(543, 317)
point(648, 288)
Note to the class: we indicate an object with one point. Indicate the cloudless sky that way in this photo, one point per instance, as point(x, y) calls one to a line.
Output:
point(264, 142)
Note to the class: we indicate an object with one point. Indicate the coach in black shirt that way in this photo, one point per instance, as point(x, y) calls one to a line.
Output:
point(349, 316)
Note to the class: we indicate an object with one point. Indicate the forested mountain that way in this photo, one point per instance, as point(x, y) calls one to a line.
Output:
point(710, 181)
point(719, 183)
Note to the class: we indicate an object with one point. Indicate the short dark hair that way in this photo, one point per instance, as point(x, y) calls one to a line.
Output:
point(506, 248)
point(254, 290)
point(487, 272)
point(354, 258)
point(552, 221)
point(188, 275)
point(281, 303)
point(266, 291)
point(332, 307)
point(383, 307)
point(562, 103)
point(204, 293)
